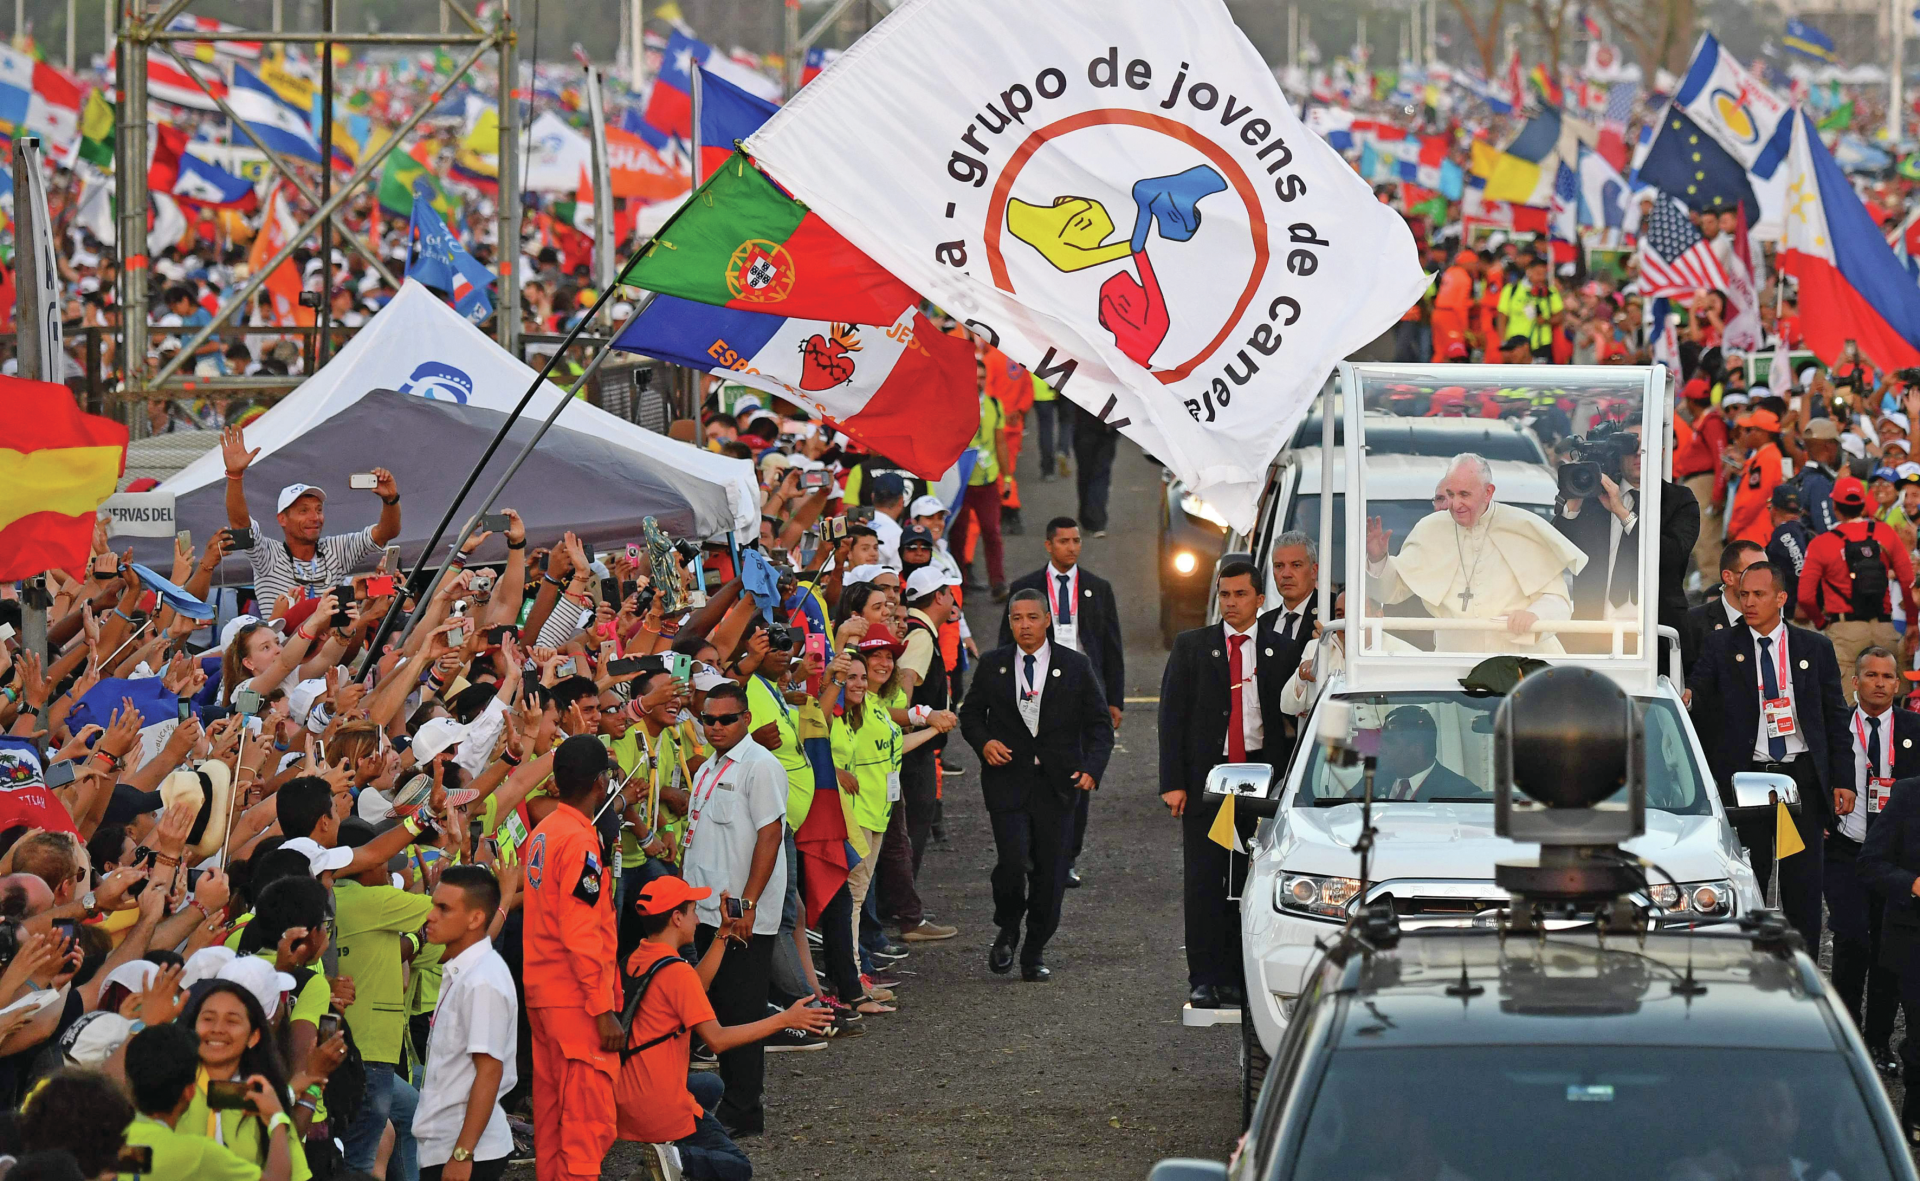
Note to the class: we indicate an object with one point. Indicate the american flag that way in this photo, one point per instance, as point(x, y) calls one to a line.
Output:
point(1674, 258)
point(1620, 98)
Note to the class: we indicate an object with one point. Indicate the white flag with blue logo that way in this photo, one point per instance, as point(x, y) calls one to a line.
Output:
point(1735, 108)
point(281, 126)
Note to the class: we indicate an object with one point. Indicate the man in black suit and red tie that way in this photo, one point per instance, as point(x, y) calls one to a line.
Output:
point(1038, 720)
point(1766, 697)
point(1082, 616)
point(1219, 703)
point(1886, 747)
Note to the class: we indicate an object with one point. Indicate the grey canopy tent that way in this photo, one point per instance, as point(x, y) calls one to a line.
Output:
point(595, 487)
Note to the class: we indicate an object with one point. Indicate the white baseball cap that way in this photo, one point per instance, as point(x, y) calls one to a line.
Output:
point(260, 978)
point(234, 625)
point(867, 573)
point(92, 1039)
point(301, 697)
point(320, 860)
point(205, 964)
point(927, 506)
point(434, 736)
point(293, 492)
point(926, 580)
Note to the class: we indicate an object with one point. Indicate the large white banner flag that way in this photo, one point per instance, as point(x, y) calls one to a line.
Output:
point(1117, 193)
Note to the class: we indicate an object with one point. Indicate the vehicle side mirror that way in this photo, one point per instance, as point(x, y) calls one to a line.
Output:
point(1755, 789)
point(1249, 782)
point(1183, 1169)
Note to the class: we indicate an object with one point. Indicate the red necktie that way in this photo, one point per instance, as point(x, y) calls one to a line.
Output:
point(1236, 723)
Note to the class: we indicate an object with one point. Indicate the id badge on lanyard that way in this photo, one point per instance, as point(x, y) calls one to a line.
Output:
point(1777, 712)
point(697, 803)
point(1879, 787)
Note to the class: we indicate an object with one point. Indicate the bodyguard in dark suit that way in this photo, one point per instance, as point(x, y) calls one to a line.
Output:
point(1886, 747)
point(1890, 866)
point(1722, 611)
point(1296, 572)
point(1219, 702)
point(1801, 731)
point(1082, 616)
point(1038, 719)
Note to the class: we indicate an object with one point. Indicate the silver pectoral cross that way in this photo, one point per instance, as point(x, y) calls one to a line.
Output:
point(1466, 596)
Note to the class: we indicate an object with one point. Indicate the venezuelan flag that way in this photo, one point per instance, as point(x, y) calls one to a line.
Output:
point(57, 464)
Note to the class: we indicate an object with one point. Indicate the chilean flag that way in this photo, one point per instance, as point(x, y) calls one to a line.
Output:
point(817, 60)
point(1851, 285)
point(904, 390)
point(727, 113)
point(670, 106)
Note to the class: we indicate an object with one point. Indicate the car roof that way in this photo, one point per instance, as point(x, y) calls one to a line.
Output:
point(1403, 434)
point(1412, 477)
point(1446, 988)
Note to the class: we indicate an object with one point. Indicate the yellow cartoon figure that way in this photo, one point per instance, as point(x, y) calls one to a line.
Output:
point(1071, 233)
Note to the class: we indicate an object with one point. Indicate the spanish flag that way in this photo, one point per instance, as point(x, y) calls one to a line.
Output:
point(57, 464)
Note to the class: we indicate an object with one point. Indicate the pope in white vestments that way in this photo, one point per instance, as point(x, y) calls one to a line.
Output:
point(1477, 559)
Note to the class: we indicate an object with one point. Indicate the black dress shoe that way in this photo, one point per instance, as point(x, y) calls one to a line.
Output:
point(1886, 1063)
point(1204, 996)
point(1000, 959)
point(1073, 878)
point(1035, 973)
point(1232, 996)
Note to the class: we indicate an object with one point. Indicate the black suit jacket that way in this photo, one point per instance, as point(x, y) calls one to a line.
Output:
point(1906, 754)
point(1679, 530)
point(1726, 709)
point(1290, 652)
point(1076, 733)
point(1699, 623)
point(1592, 531)
point(1098, 620)
point(1195, 707)
point(1889, 862)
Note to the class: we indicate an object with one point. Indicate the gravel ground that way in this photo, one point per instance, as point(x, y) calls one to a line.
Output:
point(979, 1075)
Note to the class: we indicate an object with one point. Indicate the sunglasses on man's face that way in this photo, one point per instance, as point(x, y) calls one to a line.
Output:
point(720, 719)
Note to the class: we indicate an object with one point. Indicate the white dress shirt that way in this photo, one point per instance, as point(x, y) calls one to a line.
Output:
point(888, 531)
point(1253, 730)
point(1853, 825)
point(477, 1014)
point(1796, 744)
point(1026, 694)
point(1409, 788)
point(1293, 618)
point(1069, 636)
point(735, 794)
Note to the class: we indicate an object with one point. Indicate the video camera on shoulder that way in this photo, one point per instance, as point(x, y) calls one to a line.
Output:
point(1591, 456)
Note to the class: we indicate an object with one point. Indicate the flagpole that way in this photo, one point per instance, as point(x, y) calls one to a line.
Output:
point(693, 70)
point(602, 183)
point(1897, 40)
point(423, 593)
point(323, 318)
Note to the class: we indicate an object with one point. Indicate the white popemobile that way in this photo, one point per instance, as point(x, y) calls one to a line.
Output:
point(1432, 805)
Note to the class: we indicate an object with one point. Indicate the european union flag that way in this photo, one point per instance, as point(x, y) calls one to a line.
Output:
point(437, 259)
point(1686, 162)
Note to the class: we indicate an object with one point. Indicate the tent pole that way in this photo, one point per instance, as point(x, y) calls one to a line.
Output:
point(423, 592)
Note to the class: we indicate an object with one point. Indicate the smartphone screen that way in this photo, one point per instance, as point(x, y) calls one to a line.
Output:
point(226, 1095)
point(734, 909)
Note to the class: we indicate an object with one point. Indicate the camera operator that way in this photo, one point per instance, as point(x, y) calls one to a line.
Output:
point(1608, 532)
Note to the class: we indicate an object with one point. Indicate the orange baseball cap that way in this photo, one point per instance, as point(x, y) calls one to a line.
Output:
point(1766, 420)
point(664, 894)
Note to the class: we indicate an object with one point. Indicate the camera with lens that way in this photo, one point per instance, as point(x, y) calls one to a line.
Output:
point(310, 299)
point(1591, 456)
point(779, 637)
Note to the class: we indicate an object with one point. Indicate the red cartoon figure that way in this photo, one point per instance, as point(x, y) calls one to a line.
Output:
point(1134, 311)
point(827, 361)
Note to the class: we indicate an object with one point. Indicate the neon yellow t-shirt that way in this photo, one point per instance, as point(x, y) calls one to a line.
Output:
point(767, 705)
point(872, 752)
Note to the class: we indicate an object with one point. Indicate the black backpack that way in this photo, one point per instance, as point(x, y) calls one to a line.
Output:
point(1867, 568)
point(635, 989)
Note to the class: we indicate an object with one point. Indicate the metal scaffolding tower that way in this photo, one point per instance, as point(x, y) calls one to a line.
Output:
point(141, 30)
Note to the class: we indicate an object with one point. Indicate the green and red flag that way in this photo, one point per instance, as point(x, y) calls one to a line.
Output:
point(57, 464)
point(740, 242)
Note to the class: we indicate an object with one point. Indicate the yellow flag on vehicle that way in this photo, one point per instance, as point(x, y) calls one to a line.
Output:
point(1786, 836)
point(1222, 833)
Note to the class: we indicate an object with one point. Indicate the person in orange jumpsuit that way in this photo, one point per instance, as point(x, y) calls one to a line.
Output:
point(572, 972)
point(1453, 304)
point(1748, 520)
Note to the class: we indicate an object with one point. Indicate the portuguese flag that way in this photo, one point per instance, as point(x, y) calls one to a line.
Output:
point(739, 242)
point(57, 463)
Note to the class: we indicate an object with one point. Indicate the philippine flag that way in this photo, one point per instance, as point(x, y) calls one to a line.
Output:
point(282, 127)
point(1851, 285)
point(670, 106)
point(903, 390)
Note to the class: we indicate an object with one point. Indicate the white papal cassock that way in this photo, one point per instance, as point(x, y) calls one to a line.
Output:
point(1509, 561)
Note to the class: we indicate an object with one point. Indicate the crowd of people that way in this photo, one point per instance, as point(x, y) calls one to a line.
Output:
point(419, 880)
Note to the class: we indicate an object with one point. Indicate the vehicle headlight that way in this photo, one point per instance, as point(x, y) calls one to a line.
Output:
point(1185, 562)
point(1193, 506)
point(1704, 899)
point(1321, 897)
